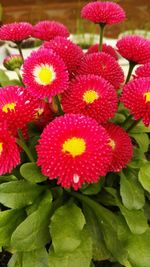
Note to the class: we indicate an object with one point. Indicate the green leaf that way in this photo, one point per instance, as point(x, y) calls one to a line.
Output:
point(143, 141)
point(81, 256)
point(93, 189)
point(7, 178)
point(138, 159)
point(144, 176)
point(100, 252)
point(140, 128)
point(33, 232)
point(11, 82)
point(3, 77)
point(9, 220)
point(65, 228)
point(35, 258)
point(31, 172)
point(18, 194)
point(131, 193)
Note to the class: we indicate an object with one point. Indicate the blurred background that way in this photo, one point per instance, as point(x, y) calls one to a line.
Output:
point(68, 12)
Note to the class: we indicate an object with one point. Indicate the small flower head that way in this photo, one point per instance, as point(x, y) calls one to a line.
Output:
point(121, 145)
point(136, 97)
point(9, 152)
point(103, 65)
point(45, 74)
point(143, 71)
point(16, 32)
point(90, 95)
point(17, 108)
point(43, 114)
point(47, 30)
point(13, 62)
point(68, 51)
point(134, 48)
point(74, 149)
point(103, 12)
point(108, 49)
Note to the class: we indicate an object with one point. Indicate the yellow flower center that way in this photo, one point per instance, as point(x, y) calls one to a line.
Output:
point(147, 96)
point(8, 107)
point(112, 144)
point(39, 113)
point(75, 146)
point(90, 96)
point(1, 148)
point(44, 74)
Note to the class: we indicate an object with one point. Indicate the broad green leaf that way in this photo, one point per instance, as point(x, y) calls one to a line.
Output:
point(80, 257)
point(31, 172)
point(65, 228)
point(138, 159)
point(9, 220)
point(140, 128)
point(131, 192)
point(35, 258)
point(11, 82)
point(3, 77)
point(100, 252)
point(7, 178)
point(93, 189)
point(143, 141)
point(33, 232)
point(144, 176)
point(18, 194)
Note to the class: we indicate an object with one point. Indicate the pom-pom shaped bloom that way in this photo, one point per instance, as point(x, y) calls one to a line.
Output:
point(43, 114)
point(103, 65)
point(45, 74)
point(74, 149)
point(13, 62)
point(91, 95)
point(143, 71)
point(121, 145)
point(108, 49)
point(134, 48)
point(17, 108)
point(103, 12)
point(47, 30)
point(68, 51)
point(16, 32)
point(136, 97)
point(9, 152)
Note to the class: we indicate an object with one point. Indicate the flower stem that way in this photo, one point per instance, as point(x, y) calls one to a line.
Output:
point(22, 144)
point(19, 48)
point(131, 67)
point(125, 123)
point(57, 101)
point(19, 75)
point(133, 125)
point(102, 25)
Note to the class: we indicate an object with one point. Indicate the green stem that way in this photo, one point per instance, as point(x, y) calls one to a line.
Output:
point(19, 75)
point(20, 50)
point(102, 26)
point(125, 123)
point(57, 101)
point(22, 144)
point(133, 125)
point(131, 67)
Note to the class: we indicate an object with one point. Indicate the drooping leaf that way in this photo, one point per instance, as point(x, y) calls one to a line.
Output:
point(18, 194)
point(33, 232)
point(144, 176)
point(31, 172)
point(65, 228)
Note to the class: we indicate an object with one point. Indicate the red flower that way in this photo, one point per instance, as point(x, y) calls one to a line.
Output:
point(43, 114)
point(74, 149)
point(134, 48)
point(143, 71)
point(91, 95)
point(9, 152)
point(47, 30)
point(121, 145)
point(68, 51)
point(136, 97)
point(103, 12)
point(108, 49)
point(45, 74)
point(103, 65)
point(16, 32)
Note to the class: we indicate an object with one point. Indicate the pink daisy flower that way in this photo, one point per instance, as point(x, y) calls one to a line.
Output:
point(108, 49)
point(9, 152)
point(103, 12)
point(121, 145)
point(45, 74)
point(17, 108)
point(91, 95)
point(47, 30)
point(68, 51)
point(13, 62)
point(136, 97)
point(143, 71)
point(134, 48)
point(104, 65)
point(16, 32)
point(74, 149)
